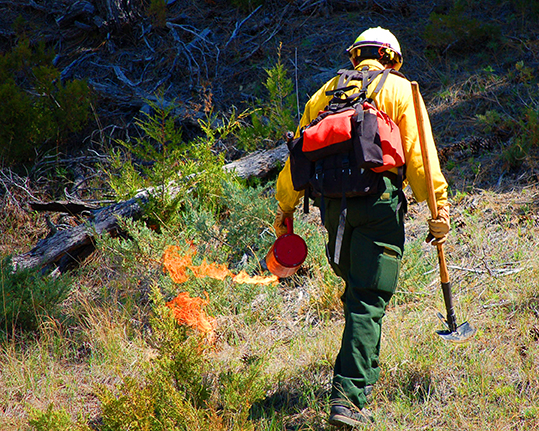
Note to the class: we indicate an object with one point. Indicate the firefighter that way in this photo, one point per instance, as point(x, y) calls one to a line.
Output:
point(373, 240)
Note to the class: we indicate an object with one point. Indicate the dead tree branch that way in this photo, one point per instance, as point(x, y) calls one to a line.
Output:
point(259, 163)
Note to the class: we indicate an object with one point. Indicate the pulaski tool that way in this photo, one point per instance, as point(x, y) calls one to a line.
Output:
point(455, 333)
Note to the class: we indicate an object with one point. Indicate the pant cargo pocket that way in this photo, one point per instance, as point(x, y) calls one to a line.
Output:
point(387, 271)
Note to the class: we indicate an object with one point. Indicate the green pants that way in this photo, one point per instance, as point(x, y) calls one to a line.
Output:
point(369, 263)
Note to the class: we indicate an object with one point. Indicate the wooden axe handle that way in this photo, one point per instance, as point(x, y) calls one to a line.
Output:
point(431, 197)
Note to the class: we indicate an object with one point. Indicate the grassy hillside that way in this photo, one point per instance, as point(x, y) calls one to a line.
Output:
point(102, 347)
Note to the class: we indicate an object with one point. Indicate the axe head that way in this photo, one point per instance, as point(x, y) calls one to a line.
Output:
point(463, 333)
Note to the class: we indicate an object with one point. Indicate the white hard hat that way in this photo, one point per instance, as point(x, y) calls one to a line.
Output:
point(377, 42)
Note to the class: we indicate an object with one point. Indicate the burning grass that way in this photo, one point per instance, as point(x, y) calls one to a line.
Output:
point(190, 311)
point(177, 265)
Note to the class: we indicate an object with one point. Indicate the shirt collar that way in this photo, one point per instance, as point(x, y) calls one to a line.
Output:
point(371, 63)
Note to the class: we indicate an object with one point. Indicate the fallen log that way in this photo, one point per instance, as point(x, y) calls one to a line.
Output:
point(76, 243)
point(66, 242)
point(260, 163)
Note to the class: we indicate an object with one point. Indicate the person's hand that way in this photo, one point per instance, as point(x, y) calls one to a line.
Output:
point(439, 227)
point(279, 224)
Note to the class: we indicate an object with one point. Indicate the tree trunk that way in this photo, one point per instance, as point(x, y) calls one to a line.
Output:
point(260, 163)
point(69, 241)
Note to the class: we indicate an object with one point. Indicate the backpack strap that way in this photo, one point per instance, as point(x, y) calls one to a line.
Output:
point(319, 174)
point(339, 237)
point(366, 77)
point(306, 196)
point(385, 73)
point(342, 215)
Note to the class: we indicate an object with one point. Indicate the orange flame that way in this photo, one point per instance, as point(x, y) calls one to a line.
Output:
point(213, 270)
point(189, 311)
point(177, 264)
point(243, 277)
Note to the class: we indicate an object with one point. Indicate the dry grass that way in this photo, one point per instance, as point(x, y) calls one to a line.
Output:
point(426, 383)
point(20, 229)
point(490, 381)
point(65, 364)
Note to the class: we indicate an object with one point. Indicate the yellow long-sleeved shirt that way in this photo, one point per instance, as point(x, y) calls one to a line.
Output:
point(396, 100)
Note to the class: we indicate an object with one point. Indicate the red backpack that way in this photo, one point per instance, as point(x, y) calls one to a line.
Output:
point(346, 148)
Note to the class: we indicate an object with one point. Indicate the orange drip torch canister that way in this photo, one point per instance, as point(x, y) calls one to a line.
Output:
point(287, 253)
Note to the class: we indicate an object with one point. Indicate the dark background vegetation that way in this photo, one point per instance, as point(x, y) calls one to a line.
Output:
point(76, 74)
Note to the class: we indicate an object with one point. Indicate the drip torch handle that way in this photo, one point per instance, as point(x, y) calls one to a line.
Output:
point(289, 224)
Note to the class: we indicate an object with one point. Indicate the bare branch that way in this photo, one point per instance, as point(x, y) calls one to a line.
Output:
point(238, 26)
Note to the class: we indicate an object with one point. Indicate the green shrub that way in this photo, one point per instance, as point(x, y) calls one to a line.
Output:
point(275, 117)
point(516, 124)
point(281, 98)
point(531, 123)
point(526, 139)
point(53, 419)
point(493, 121)
point(182, 353)
point(26, 297)
point(146, 404)
point(171, 393)
point(523, 129)
point(456, 32)
point(246, 227)
point(154, 159)
point(38, 110)
point(161, 159)
point(524, 74)
point(239, 390)
point(183, 389)
point(17, 122)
